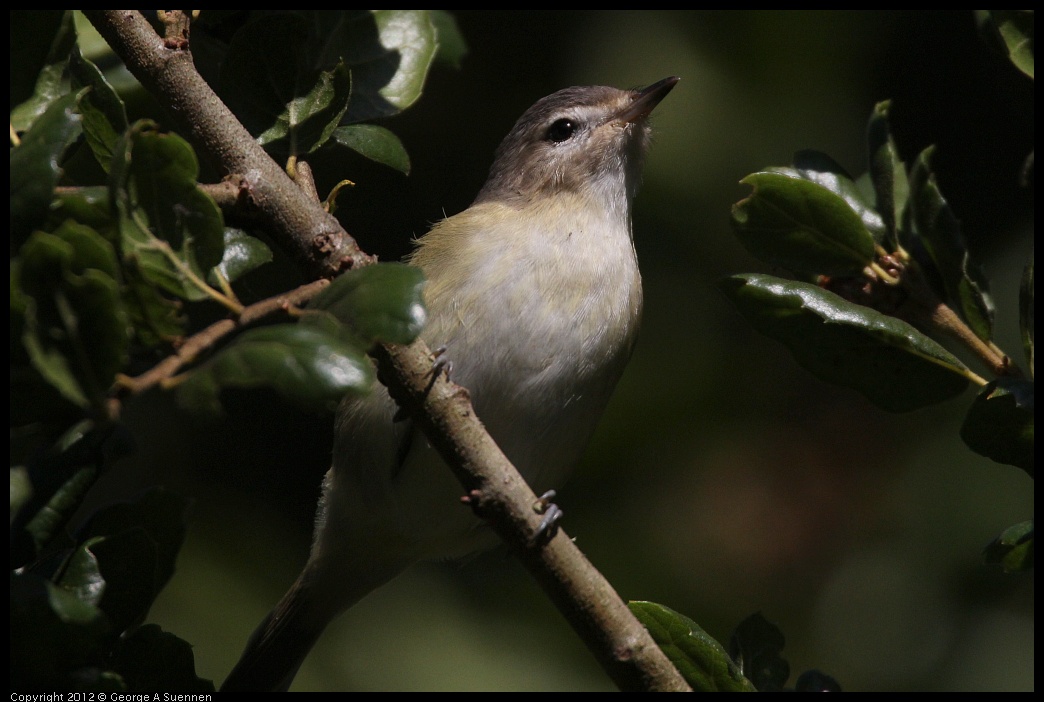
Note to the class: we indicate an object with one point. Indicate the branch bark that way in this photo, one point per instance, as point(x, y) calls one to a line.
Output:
point(623, 647)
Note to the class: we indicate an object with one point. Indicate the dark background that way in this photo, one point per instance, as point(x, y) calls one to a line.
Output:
point(724, 479)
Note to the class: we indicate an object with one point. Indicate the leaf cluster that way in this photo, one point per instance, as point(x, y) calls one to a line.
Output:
point(105, 271)
point(884, 283)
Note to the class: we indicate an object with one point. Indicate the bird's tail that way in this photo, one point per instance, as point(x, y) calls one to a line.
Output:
point(279, 645)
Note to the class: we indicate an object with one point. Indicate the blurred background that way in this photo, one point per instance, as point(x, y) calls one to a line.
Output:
point(724, 479)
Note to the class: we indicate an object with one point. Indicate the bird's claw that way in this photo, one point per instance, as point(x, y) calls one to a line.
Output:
point(552, 514)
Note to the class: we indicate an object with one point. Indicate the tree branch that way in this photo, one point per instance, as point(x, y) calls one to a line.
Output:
point(443, 410)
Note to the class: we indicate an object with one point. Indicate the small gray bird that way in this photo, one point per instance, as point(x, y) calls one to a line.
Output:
point(534, 291)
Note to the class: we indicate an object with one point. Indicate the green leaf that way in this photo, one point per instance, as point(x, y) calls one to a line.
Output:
point(939, 237)
point(698, 657)
point(757, 646)
point(273, 80)
point(389, 67)
point(104, 116)
point(127, 561)
point(383, 302)
point(162, 514)
point(887, 172)
point(86, 205)
point(886, 359)
point(47, 523)
point(1013, 550)
point(75, 325)
point(21, 489)
point(171, 230)
point(156, 319)
point(243, 253)
point(1014, 31)
point(999, 423)
point(153, 659)
point(1026, 318)
point(306, 364)
point(54, 634)
point(451, 45)
point(81, 576)
point(49, 82)
point(821, 169)
point(798, 224)
point(34, 166)
point(375, 143)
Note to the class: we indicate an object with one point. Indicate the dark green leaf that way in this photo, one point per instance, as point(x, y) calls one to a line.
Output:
point(451, 45)
point(816, 681)
point(169, 228)
point(305, 364)
point(49, 83)
point(757, 646)
point(81, 577)
point(88, 205)
point(378, 303)
point(163, 516)
point(999, 423)
point(821, 169)
point(34, 166)
point(1014, 31)
point(884, 358)
point(75, 326)
point(127, 561)
point(798, 224)
point(887, 172)
point(104, 116)
point(273, 80)
point(375, 143)
point(698, 657)
point(153, 659)
point(54, 634)
point(1026, 318)
point(21, 489)
point(1013, 550)
point(243, 253)
point(47, 523)
point(939, 235)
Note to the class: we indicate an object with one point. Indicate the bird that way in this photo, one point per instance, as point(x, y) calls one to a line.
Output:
point(534, 294)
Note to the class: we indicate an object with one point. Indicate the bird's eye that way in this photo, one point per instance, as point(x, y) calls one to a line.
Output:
point(561, 130)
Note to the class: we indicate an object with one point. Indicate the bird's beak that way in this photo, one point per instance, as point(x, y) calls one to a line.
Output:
point(645, 99)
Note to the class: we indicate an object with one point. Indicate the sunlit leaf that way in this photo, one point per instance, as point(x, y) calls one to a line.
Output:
point(796, 223)
point(698, 657)
point(886, 359)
